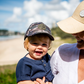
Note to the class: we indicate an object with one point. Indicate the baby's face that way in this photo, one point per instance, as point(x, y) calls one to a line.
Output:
point(38, 47)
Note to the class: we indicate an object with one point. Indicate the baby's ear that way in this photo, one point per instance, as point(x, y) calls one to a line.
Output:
point(50, 44)
point(49, 48)
point(26, 45)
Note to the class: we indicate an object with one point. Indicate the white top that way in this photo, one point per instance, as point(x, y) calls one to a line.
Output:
point(64, 64)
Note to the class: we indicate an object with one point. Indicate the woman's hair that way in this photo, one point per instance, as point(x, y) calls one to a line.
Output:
point(32, 38)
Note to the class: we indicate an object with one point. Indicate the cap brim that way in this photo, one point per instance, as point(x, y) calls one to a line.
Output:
point(70, 25)
point(50, 36)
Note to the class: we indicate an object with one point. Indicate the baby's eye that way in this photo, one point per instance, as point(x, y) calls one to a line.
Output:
point(35, 43)
point(44, 44)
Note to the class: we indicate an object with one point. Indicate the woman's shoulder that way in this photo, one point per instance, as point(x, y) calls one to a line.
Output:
point(68, 45)
point(65, 51)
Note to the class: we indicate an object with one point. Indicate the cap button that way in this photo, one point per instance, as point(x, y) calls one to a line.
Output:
point(82, 13)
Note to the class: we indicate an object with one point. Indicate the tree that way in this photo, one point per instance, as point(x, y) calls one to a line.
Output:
point(56, 31)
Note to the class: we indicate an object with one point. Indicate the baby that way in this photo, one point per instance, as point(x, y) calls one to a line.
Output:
point(36, 63)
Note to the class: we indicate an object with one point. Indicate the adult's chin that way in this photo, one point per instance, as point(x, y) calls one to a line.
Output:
point(80, 46)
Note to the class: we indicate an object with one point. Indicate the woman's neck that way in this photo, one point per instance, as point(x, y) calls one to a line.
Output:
point(81, 56)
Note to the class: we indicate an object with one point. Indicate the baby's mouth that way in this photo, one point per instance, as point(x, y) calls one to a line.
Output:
point(38, 52)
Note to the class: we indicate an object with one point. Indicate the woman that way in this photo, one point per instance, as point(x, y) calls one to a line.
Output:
point(67, 61)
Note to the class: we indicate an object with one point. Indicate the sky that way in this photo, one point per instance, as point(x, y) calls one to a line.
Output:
point(17, 15)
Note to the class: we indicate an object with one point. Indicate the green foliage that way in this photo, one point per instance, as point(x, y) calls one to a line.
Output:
point(7, 78)
point(7, 75)
point(3, 30)
point(16, 33)
point(58, 32)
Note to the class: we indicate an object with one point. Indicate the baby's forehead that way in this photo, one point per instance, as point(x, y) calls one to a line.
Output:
point(44, 39)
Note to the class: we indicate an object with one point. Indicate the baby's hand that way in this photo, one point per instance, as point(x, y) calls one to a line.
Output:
point(42, 81)
point(35, 82)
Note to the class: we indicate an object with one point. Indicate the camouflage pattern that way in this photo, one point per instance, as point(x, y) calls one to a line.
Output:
point(37, 28)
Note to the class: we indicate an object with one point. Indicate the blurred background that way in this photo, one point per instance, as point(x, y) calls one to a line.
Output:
point(16, 16)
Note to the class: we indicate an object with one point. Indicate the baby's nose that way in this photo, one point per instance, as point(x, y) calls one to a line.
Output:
point(39, 46)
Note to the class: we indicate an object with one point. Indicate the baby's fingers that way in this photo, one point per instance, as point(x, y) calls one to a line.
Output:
point(48, 83)
point(40, 81)
point(43, 79)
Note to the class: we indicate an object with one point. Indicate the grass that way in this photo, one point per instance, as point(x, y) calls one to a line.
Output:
point(7, 74)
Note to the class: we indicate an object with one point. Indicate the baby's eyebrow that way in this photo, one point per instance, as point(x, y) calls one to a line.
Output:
point(44, 42)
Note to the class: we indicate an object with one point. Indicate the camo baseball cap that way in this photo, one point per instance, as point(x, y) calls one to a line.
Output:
point(38, 28)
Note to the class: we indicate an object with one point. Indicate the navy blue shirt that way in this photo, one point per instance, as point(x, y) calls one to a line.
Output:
point(29, 69)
